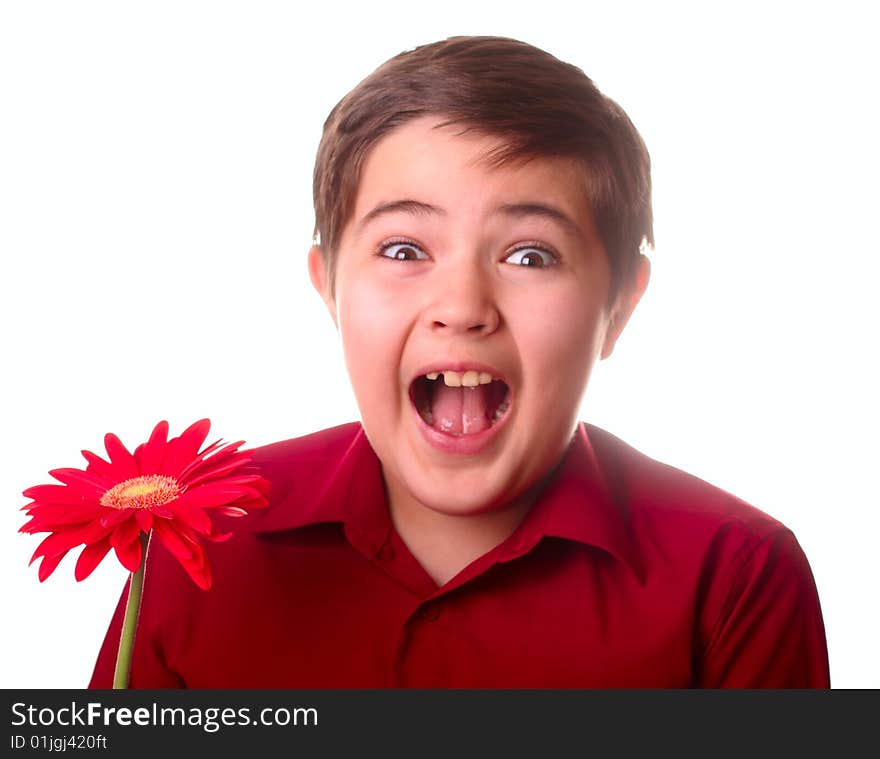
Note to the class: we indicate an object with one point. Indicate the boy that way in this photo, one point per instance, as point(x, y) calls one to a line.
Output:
point(482, 213)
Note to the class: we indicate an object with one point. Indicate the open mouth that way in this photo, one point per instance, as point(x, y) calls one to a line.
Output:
point(460, 403)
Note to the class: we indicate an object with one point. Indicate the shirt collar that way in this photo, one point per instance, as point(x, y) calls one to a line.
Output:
point(350, 491)
point(576, 505)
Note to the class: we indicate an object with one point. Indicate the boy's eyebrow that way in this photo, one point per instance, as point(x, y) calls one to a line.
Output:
point(520, 210)
point(517, 210)
point(414, 207)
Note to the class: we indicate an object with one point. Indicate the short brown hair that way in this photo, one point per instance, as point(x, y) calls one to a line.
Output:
point(538, 105)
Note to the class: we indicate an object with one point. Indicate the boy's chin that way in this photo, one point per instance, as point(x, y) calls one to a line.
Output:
point(464, 497)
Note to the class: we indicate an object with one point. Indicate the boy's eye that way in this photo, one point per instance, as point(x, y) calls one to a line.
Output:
point(531, 256)
point(403, 251)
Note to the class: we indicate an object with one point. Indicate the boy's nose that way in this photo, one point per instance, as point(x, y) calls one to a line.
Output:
point(463, 305)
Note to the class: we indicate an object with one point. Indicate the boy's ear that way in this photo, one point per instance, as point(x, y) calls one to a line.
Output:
point(318, 275)
point(625, 305)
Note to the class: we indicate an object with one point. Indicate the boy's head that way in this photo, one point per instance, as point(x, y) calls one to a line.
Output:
point(481, 209)
point(536, 104)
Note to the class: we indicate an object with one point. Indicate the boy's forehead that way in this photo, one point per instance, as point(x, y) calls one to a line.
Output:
point(422, 161)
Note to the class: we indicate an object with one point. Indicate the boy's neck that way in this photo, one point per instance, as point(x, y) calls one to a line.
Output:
point(444, 544)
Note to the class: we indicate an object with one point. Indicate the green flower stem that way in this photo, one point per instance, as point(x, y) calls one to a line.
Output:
point(129, 623)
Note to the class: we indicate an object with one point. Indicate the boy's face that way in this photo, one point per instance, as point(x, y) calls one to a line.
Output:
point(447, 264)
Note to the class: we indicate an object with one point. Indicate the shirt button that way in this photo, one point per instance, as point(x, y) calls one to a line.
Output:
point(430, 612)
point(386, 552)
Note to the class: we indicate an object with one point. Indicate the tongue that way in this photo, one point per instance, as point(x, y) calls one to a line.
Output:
point(460, 410)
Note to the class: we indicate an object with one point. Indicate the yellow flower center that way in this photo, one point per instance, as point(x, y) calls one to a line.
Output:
point(144, 492)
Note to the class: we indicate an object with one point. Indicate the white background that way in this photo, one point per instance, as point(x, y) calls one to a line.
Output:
point(155, 214)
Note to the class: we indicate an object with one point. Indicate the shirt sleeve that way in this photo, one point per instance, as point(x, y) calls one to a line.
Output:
point(769, 632)
point(147, 669)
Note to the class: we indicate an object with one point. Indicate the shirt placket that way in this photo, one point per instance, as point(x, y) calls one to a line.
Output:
point(427, 620)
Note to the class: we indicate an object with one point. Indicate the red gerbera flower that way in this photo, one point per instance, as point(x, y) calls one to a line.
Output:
point(166, 486)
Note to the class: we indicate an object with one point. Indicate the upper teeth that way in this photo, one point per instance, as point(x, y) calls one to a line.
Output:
point(462, 379)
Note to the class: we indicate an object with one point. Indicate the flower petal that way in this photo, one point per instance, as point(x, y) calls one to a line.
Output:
point(58, 542)
point(55, 516)
point(101, 468)
point(186, 550)
point(211, 494)
point(212, 473)
point(259, 503)
point(112, 517)
point(81, 481)
point(209, 449)
point(152, 453)
point(249, 493)
point(232, 511)
point(181, 549)
point(194, 517)
point(90, 557)
point(203, 462)
point(130, 554)
point(201, 576)
point(125, 532)
point(181, 450)
point(199, 569)
point(49, 564)
point(120, 456)
point(254, 480)
point(144, 518)
point(53, 494)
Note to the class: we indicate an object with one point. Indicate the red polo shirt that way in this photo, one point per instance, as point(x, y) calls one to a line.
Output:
point(626, 573)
